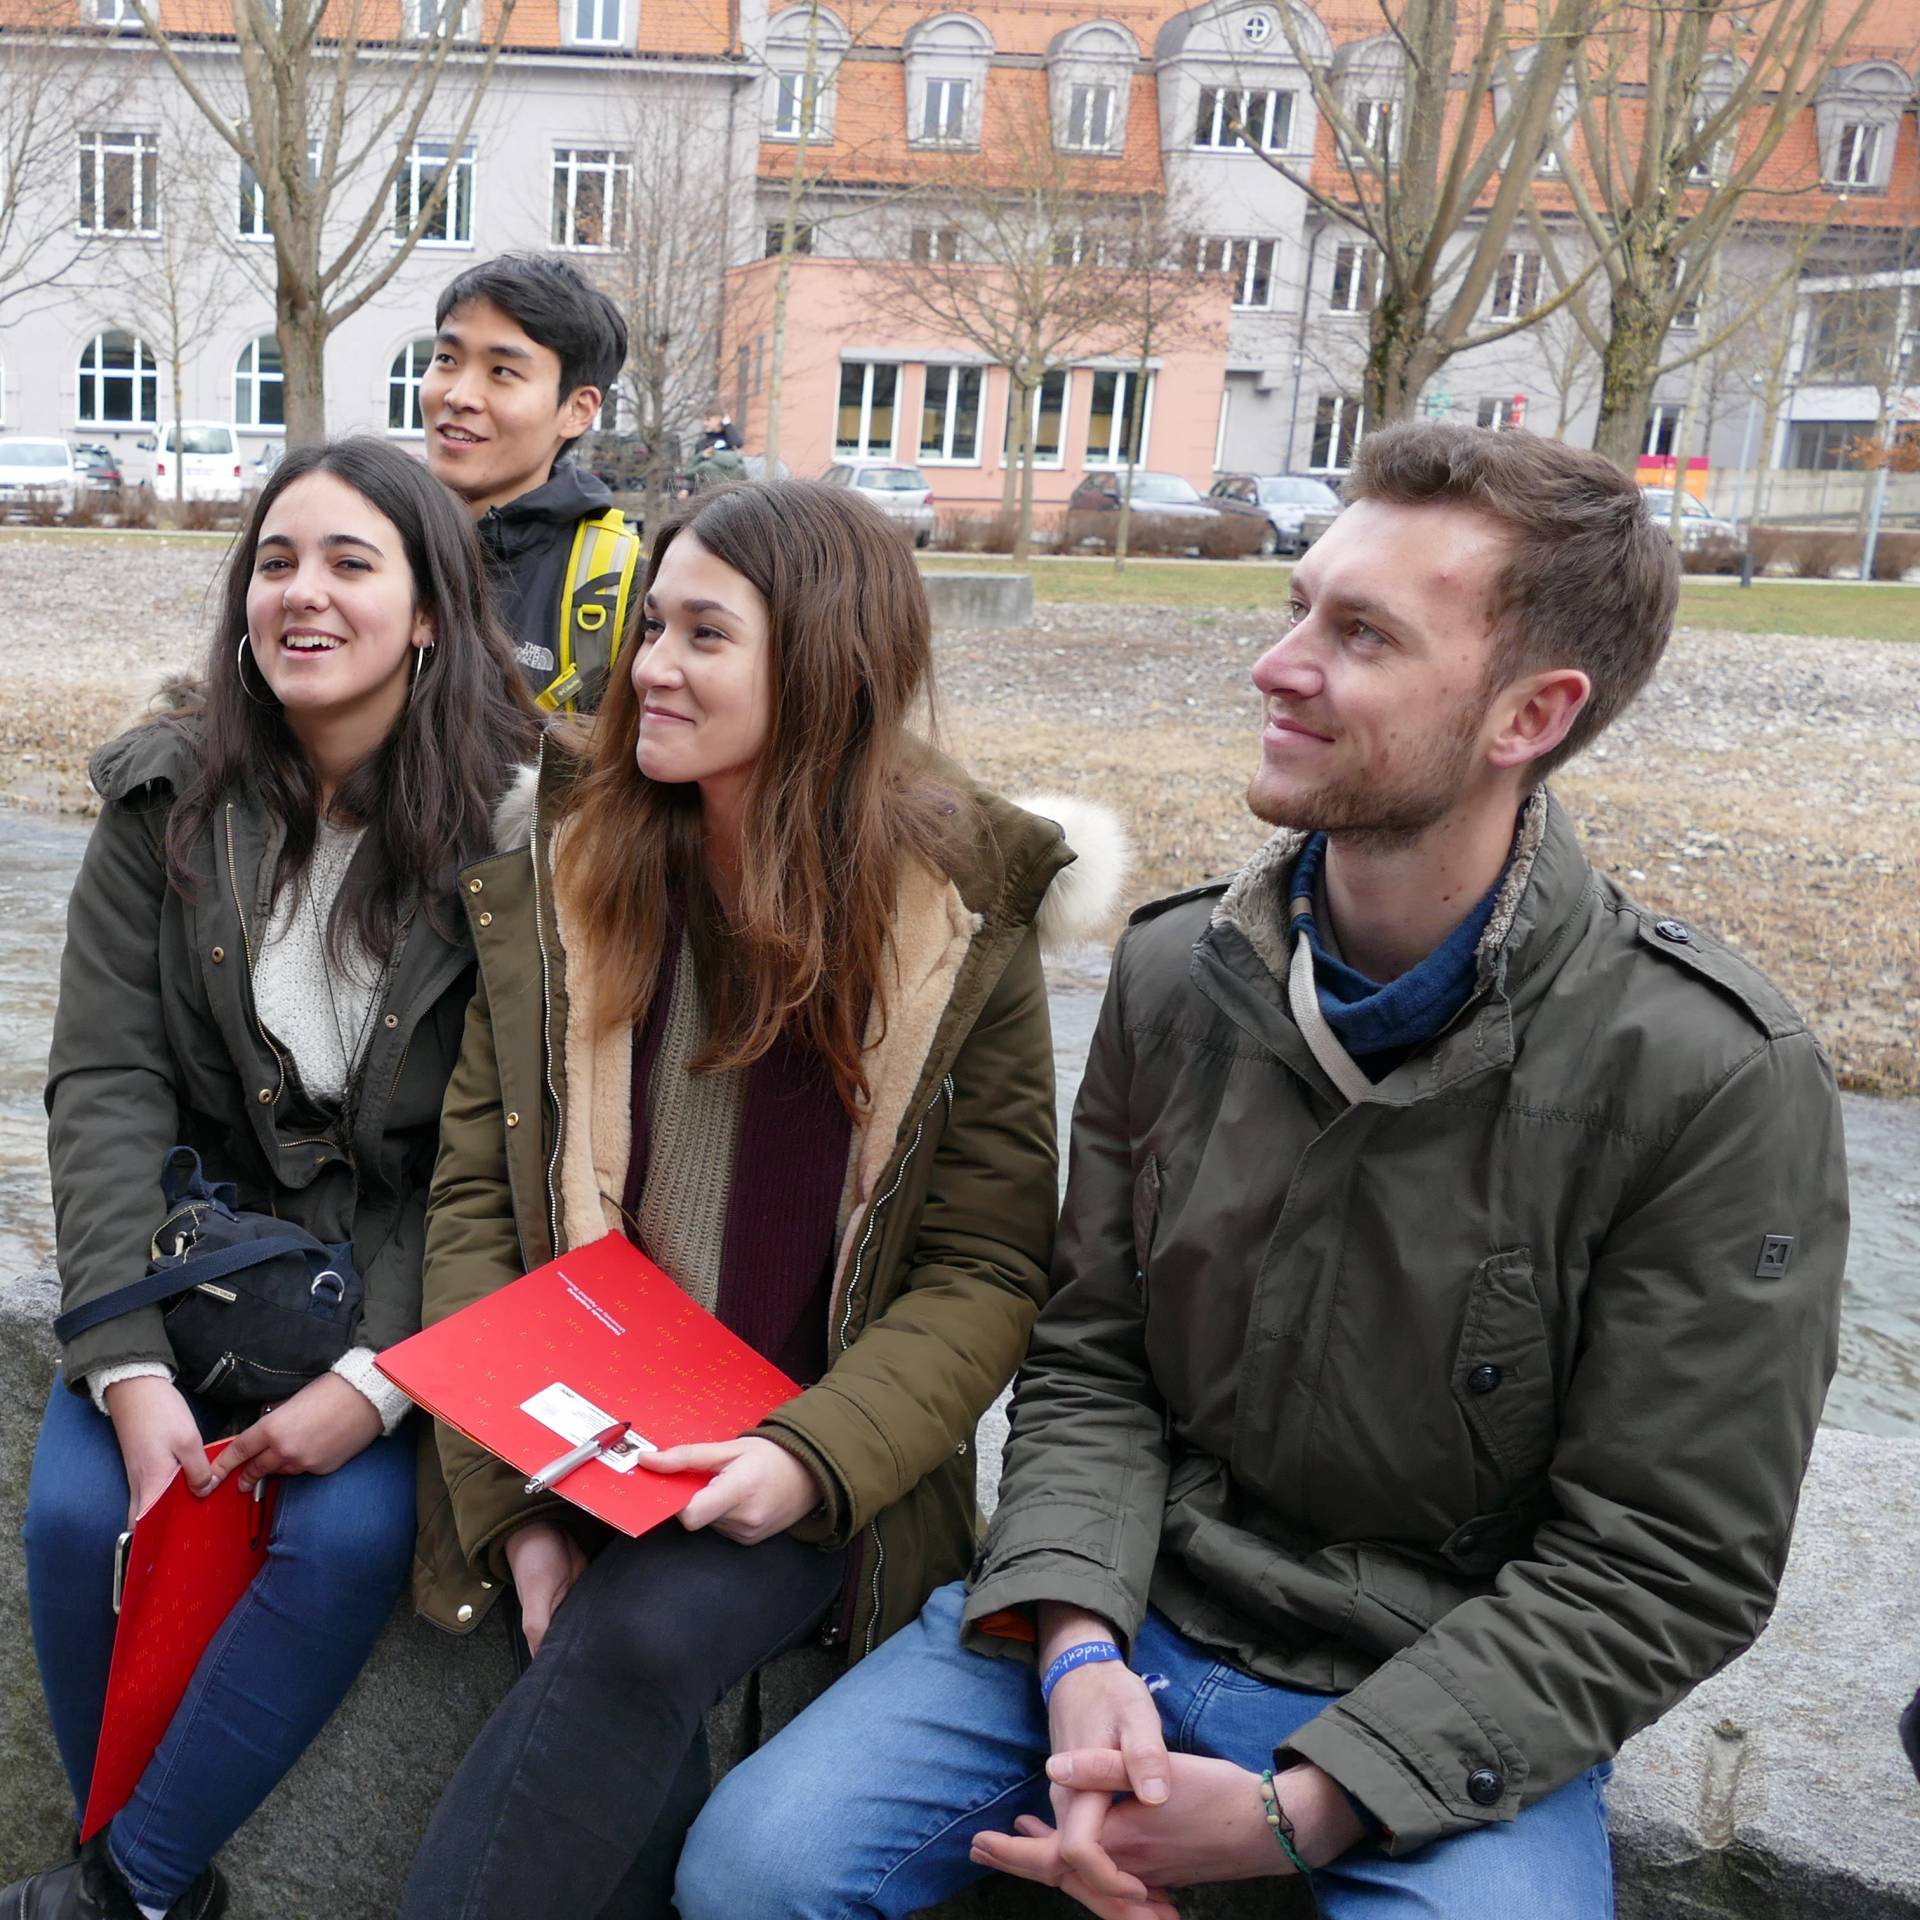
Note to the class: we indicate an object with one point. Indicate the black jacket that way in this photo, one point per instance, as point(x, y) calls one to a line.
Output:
point(526, 544)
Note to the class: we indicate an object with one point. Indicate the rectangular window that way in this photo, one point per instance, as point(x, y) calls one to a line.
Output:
point(1850, 335)
point(1506, 415)
point(1824, 445)
point(792, 96)
point(934, 244)
point(1244, 117)
point(1373, 119)
point(1049, 420)
point(1116, 425)
point(120, 182)
point(802, 238)
point(1663, 422)
point(1337, 424)
point(451, 224)
point(1687, 313)
point(1252, 266)
point(598, 23)
point(1356, 279)
point(1516, 285)
point(113, 13)
point(1855, 154)
point(944, 120)
point(864, 425)
point(1069, 249)
point(430, 19)
point(590, 191)
point(950, 417)
point(1090, 118)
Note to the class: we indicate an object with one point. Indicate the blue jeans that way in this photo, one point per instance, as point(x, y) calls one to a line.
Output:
point(867, 1803)
point(341, 1547)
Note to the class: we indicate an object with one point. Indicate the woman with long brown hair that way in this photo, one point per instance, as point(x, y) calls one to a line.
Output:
point(763, 991)
point(265, 981)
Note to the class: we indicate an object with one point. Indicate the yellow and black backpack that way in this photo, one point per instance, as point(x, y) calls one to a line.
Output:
point(593, 610)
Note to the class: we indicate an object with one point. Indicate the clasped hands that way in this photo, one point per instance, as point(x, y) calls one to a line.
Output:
point(1184, 1820)
point(757, 1490)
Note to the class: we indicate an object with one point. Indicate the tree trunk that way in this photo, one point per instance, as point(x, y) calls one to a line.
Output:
point(1397, 368)
point(1022, 454)
point(1135, 408)
point(301, 328)
point(1628, 369)
point(179, 429)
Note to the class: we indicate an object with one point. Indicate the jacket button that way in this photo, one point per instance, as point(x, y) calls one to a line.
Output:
point(465, 1614)
point(486, 919)
point(1674, 930)
point(473, 886)
point(1484, 1787)
point(513, 1119)
point(391, 1021)
point(1483, 1379)
point(217, 955)
point(265, 1096)
point(486, 1586)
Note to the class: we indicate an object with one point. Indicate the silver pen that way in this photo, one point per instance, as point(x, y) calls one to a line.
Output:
point(554, 1470)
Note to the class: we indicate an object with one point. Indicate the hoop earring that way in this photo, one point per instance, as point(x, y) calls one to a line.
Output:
point(240, 663)
point(419, 661)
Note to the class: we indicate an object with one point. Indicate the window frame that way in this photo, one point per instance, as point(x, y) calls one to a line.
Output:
point(1663, 421)
point(258, 380)
point(1515, 292)
point(142, 150)
point(934, 246)
point(1370, 116)
point(1085, 93)
point(144, 374)
point(1339, 421)
point(866, 449)
point(1042, 463)
point(1362, 289)
point(618, 37)
point(1123, 378)
point(1211, 120)
point(408, 383)
point(953, 87)
point(616, 171)
point(956, 375)
point(789, 97)
point(1502, 413)
point(407, 182)
point(1856, 154)
point(414, 26)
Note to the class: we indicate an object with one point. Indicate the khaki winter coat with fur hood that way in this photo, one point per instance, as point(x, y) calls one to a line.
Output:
point(946, 1223)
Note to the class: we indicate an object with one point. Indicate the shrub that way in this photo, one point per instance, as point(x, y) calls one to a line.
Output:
point(958, 531)
point(1809, 553)
point(1718, 555)
point(133, 507)
point(1231, 536)
point(42, 510)
point(86, 509)
point(1896, 555)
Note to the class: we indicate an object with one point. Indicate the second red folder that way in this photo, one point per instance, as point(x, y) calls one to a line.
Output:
point(599, 1331)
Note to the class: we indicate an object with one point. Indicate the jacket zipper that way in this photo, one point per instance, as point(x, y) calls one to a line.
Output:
point(943, 1091)
point(246, 940)
point(546, 1031)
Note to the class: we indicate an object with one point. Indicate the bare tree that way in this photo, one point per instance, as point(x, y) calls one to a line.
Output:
point(327, 121)
point(1431, 184)
point(1681, 105)
point(661, 213)
point(52, 82)
point(1024, 280)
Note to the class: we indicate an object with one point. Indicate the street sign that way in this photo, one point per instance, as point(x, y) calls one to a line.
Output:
point(1438, 404)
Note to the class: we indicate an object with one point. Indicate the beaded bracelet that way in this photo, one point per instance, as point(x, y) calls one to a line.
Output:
point(1086, 1654)
point(1281, 1825)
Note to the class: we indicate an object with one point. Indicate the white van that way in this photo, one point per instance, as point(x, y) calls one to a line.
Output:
point(215, 469)
point(36, 473)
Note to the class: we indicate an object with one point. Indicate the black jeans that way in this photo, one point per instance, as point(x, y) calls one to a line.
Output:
point(580, 1788)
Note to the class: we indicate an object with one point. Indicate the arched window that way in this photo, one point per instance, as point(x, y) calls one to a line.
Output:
point(119, 382)
point(259, 385)
point(409, 368)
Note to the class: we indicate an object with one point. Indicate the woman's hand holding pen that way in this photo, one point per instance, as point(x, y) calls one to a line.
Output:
point(158, 1437)
point(757, 1490)
point(545, 1561)
point(322, 1427)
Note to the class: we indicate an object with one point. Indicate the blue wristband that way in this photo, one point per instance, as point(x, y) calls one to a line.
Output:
point(1088, 1653)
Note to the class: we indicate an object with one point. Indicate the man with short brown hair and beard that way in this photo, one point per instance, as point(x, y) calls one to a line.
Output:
point(1445, 1298)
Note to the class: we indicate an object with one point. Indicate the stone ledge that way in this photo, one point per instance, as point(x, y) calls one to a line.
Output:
point(1777, 1790)
point(978, 599)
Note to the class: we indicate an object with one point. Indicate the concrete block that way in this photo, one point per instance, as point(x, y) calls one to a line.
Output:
point(979, 599)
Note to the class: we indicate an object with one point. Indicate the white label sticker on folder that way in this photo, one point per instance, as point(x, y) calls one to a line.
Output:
point(576, 1420)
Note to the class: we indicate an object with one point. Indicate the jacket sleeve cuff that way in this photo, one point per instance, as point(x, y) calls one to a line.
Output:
point(128, 1339)
point(829, 1524)
point(104, 1377)
point(356, 1367)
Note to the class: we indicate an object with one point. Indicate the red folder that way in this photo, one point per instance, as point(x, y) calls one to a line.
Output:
point(606, 1323)
point(188, 1563)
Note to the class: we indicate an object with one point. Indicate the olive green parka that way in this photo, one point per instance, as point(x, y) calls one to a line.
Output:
point(947, 1225)
point(1482, 1403)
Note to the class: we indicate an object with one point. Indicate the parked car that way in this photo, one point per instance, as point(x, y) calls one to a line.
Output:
point(36, 474)
point(97, 467)
point(1168, 511)
point(1699, 528)
point(1284, 498)
point(901, 493)
point(206, 454)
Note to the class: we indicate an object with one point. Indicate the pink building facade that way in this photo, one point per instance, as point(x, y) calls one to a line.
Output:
point(859, 383)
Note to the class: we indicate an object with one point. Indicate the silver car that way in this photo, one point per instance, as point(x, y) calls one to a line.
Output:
point(1285, 498)
point(36, 473)
point(1698, 527)
point(901, 493)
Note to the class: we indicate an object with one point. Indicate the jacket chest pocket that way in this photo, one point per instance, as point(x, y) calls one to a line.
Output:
point(1502, 1376)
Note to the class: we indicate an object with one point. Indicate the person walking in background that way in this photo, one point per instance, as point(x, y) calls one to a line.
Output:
point(787, 997)
point(1445, 1298)
point(525, 356)
point(264, 962)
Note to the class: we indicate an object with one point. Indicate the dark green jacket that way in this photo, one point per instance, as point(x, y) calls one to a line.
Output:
point(1484, 1402)
point(156, 1042)
point(942, 1263)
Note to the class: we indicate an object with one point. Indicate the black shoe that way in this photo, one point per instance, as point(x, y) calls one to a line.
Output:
point(88, 1888)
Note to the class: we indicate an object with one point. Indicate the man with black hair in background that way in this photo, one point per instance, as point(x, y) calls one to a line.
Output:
point(525, 353)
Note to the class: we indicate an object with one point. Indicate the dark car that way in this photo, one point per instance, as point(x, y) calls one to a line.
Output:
point(1170, 514)
point(1285, 498)
point(96, 467)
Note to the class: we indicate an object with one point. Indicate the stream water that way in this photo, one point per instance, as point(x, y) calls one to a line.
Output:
point(1877, 1389)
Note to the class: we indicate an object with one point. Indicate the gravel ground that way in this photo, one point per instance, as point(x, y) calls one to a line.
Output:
point(1766, 786)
